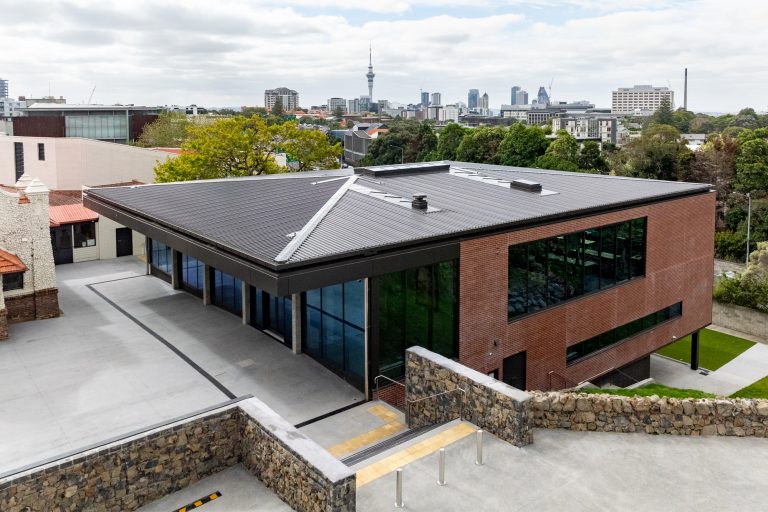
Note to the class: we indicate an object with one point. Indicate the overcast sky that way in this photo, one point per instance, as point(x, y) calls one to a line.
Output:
point(225, 53)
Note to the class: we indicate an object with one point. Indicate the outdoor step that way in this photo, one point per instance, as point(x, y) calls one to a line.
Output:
point(372, 451)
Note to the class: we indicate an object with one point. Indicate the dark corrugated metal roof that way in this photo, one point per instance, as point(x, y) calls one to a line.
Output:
point(254, 215)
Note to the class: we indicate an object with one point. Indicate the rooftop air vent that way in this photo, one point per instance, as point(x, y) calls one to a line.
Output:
point(400, 169)
point(527, 185)
point(419, 201)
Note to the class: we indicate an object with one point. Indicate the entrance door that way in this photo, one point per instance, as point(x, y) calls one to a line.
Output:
point(124, 241)
point(514, 370)
point(61, 241)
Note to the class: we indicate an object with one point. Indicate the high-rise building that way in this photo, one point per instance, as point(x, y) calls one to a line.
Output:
point(482, 105)
point(288, 97)
point(370, 74)
point(353, 106)
point(521, 97)
point(424, 99)
point(334, 103)
point(472, 99)
point(515, 89)
point(640, 99)
point(3, 88)
point(436, 99)
point(542, 97)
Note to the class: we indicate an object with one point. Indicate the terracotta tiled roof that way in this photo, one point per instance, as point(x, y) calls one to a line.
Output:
point(64, 197)
point(71, 214)
point(10, 263)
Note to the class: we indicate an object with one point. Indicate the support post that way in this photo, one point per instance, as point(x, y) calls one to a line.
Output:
point(175, 269)
point(441, 470)
point(296, 307)
point(479, 457)
point(399, 488)
point(207, 285)
point(695, 351)
point(245, 298)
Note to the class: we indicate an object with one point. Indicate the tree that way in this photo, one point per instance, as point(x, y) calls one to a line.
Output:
point(590, 157)
point(681, 119)
point(309, 148)
point(406, 141)
point(169, 130)
point(562, 153)
point(663, 114)
point(448, 141)
point(659, 153)
point(715, 163)
point(277, 108)
point(338, 112)
point(480, 145)
point(252, 111)
point(522, 145)
point(752, 166)
point(240, 146)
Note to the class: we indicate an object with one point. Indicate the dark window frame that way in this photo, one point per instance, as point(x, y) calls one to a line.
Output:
point(585, 259)
point(13, 281)
point(18, 155)
point(41, 151)
point(79, 236)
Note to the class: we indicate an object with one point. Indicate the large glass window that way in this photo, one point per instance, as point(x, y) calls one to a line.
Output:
point(192, 274)
point(335, 328)
point(547, 272)
point(269, 312)
point(160, 256)
point(226, 292)
point(85, 234)
point(13, 281)
point(418, 307)
point(108, 127)
point(621, 333)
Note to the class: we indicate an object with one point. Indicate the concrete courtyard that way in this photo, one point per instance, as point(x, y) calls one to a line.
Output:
point(98, 372)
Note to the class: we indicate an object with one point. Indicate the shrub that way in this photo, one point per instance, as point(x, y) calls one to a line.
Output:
point(747, 291)
point(730, 246)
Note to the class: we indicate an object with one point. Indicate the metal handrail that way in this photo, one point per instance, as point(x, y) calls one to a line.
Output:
point(409, 403)
point(376, 381)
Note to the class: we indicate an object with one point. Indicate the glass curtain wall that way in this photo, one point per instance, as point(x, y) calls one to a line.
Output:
point(192, 274)
point(418, 306)
point(226, 292)
point(334, 330)
point(272, 313)
point(621, 333)
point(544, 273)
point(161, 256)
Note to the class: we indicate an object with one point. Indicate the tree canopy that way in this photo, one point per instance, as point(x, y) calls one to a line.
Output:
point(522, 145)
point(406, 141)
point(169, 130)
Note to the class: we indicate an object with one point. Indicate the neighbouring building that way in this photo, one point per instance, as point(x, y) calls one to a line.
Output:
point(437, 99)
point(472, 98)
point(108, 123)
point(10, 107)
point(449, 113)
point(521, 97)
point(334, 103)
point(601, 129)
point(357, 140)
point(424, 99)
point(288, 97)
point(641, 100)
point(26, 260)
point(482, 105)
point(3, 88)
point(539, 278)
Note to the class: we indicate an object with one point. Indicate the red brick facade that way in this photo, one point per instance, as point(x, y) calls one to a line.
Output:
point(680, 251)
point(41, 304)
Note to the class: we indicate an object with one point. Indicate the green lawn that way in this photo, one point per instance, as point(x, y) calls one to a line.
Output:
point(757, 389)
point(653, 389)
point(715, 349)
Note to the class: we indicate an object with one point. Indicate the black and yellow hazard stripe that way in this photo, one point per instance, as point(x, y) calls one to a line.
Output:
point(199, 503)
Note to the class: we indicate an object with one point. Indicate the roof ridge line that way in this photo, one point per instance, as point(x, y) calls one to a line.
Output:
point(301, 235)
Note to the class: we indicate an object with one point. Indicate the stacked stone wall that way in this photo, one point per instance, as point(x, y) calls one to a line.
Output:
point(3, 324)
point(652, 415)
point(439, 389)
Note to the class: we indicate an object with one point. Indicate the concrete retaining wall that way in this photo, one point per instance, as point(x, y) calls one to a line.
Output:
point(130, 473)
point(739, 318)
point(652, 415)
point(491, 405)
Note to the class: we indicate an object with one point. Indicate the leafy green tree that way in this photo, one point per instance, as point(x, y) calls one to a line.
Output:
point(480, 145)
point(591, 158)
point(277, 108)
point(522, 145)
point(715, 163)
point(746, 118)
point(681, 119)
point(752, 166)
point(406, 141)
point(562, 153)
point(253, 111)
point(659, 153)
point(309, 149)
point(169, 130)
point(663, 114)
point(338, 112)
point(448, 141)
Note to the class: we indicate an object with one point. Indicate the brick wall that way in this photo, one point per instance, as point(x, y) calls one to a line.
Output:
point(680, 246)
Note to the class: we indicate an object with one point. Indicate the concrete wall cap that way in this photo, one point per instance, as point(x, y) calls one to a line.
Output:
point(36, 187)
point(505, 389)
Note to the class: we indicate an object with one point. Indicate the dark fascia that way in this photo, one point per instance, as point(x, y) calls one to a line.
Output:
point(135, 218)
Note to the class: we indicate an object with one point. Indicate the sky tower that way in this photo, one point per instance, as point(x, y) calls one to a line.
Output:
point(370, 74)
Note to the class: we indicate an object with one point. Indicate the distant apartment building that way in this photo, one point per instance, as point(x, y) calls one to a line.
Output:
point(541, 115)
point(482, 105)
point(334, 103)
point(601, 129)
point(288, 97)
point(449, 113)
point(437, 99)
point(521, 97)
point(513, 97)
point(353, 106)
point(108, 123)
point(641, 100)
point(472, 98)
point(10, 107)
point(3, 88)
point(358, 139)
point(424, 99)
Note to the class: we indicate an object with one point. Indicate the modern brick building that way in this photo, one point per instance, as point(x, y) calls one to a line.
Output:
point(26, 260)
point(540, 278)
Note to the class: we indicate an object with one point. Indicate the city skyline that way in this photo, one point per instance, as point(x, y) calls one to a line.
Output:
point(192, 53)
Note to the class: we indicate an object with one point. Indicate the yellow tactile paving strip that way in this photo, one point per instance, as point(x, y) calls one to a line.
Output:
point(392, 426)
point(413, 453)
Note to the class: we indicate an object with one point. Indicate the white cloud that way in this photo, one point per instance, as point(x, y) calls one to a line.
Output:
point(160, 52)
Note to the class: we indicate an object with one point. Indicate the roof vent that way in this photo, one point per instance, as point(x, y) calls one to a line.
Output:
point(527, 185)
point(419, 201)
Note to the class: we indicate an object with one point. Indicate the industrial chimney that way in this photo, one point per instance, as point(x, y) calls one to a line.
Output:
point(685, 91)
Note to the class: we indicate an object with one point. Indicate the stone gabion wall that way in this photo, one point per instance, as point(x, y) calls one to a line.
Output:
point(129, 474)
point(652, 415)
point(283, 464)
point(491, 405)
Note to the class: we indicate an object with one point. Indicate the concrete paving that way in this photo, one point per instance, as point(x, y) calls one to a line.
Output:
point(240, 492)
point(93, 373)
point(579, 471)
